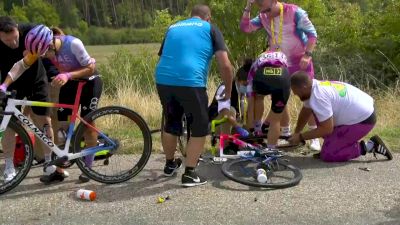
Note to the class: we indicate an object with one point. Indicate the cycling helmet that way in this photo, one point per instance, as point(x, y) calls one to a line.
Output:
point(38, 39)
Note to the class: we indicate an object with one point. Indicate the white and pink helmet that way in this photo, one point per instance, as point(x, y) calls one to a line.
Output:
point(38, 39)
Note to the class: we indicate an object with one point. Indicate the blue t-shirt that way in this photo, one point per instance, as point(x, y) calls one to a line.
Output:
point(186, 53)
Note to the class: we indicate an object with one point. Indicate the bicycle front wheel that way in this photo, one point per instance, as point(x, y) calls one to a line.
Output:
point(23, 156)
point(279, 174)
point(124, 127)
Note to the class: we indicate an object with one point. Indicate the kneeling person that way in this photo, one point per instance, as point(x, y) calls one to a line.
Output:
point(345, 115)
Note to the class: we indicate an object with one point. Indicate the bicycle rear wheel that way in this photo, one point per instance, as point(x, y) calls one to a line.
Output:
point(132, 135)
point(23, 156)
point(279, 174)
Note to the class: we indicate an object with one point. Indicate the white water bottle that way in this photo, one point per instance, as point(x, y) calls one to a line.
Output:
point(262, 176)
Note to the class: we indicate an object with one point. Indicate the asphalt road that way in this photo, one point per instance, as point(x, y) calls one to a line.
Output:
point(338, 193)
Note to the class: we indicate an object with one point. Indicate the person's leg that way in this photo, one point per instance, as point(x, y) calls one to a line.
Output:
point(258, 113)
point(40, 92)
point(89, 101)
point(173, 113)
point(195, 101)
point(342, 145)
point(8, 146)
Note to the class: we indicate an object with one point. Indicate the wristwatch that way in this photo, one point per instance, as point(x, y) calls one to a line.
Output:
point(247, 9)
point(307, 53)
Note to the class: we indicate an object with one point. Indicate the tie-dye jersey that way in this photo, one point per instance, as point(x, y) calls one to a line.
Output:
point(296, 33)
point(72, 55)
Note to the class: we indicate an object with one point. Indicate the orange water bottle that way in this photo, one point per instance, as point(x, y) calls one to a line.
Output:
point(86, 194)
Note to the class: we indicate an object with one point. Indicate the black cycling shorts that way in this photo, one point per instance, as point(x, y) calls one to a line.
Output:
point(89, 101)
point(274, 82)
point(38, 91)
point(176, 101)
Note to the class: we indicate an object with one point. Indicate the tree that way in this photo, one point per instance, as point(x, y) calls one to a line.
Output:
point(18, 14)
point(39, 11)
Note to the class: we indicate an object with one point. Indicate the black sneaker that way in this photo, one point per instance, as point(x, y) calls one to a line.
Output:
point(170, 170)
point(48, 179)
point(83, 178)
point(363, 147)
point(191, 179)
point(380, 147)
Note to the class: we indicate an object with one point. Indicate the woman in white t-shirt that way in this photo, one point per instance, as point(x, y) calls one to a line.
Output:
point(345, 115)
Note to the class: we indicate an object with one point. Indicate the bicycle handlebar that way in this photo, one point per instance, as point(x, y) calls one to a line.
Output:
point(215, 123)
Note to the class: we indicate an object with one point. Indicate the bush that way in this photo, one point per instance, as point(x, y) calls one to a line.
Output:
point(127, 71)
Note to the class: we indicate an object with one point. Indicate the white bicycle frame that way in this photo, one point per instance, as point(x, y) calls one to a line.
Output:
point(11, 110)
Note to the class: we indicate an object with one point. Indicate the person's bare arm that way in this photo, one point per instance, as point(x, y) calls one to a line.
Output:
point(226, 71)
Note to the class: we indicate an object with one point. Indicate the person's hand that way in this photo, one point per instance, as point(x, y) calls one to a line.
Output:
point(304, 62)
point(295, 139)
point(61, 79)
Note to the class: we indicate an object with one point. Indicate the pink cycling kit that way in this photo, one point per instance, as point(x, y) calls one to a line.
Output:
point(297, 31)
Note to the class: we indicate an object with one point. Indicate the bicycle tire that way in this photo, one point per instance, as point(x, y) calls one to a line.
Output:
point(135, 120)
point(23, 170)
point(226, 170)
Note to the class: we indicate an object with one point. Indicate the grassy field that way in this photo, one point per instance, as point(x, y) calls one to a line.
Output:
point(101, 52)
point(147, 104)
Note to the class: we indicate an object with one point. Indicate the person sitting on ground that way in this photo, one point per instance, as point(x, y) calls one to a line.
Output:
point(220, 108)
point(344, 113)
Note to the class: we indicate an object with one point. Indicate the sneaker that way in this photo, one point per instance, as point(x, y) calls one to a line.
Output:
point(50, 175)
point(380, 147)
point(83, 178)
point(191, 179)
point(363, 146)
point(65, 174)
point(9, 174)
point(170, 170)
point(315, 145)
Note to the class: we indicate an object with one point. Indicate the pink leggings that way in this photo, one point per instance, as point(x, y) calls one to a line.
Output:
point(342, 145)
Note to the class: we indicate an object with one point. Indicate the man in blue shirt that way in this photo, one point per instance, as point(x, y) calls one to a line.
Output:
point(181, 78)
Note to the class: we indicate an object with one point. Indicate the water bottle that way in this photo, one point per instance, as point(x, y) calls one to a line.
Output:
point(86, 194)
point(262, 176)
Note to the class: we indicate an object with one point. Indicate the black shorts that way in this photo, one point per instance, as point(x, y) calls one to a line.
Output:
point(38, 91)
point(278, 86)
point(189, 100)
point(90, 96)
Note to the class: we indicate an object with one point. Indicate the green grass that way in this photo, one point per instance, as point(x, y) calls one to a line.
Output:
point(101, 52)
point(390, 135)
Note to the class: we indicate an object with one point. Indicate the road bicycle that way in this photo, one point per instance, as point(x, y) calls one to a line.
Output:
point(248, 158)
point(123, 134)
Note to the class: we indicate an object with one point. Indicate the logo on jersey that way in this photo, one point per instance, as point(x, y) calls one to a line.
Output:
point(340, 87)
point(272, 71)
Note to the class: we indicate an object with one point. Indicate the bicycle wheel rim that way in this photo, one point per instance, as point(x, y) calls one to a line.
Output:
point(128, 129)
point(243, 171)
